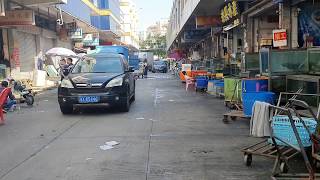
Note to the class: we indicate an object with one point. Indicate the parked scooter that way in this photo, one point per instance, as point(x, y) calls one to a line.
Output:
point(27, 94)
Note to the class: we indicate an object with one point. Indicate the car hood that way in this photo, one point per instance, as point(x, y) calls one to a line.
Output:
point(91, 78)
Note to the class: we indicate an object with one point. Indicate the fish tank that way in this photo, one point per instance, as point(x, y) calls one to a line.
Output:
point(308, 88)
point(252, 61)
point(283, 62)
point(314, 61)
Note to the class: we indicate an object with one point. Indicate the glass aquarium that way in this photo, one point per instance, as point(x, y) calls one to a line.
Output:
point(289, 61)
point(314, 61)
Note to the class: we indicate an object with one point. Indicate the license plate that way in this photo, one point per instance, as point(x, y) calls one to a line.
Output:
point(89, 99)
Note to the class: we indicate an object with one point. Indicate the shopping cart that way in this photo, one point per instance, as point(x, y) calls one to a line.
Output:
point(301, 133)
point(290, 135)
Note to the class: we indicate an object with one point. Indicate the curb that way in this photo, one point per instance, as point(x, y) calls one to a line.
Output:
point(40, 90)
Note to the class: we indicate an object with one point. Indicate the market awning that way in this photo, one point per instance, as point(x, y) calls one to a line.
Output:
point(260, 8)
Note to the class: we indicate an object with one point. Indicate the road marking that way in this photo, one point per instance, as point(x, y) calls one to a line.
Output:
point(148, 157)
point(156, 97)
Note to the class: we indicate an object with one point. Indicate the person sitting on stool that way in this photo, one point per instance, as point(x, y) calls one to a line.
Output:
point(11, 101)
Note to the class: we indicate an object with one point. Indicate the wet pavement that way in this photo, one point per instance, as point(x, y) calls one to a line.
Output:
point(169, 134)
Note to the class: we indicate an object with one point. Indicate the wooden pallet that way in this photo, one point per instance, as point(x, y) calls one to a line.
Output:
point(234, 115)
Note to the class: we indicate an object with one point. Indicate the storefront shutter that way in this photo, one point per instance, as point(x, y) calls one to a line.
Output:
point(27, 50)
point(64, 44)
point(46, 44)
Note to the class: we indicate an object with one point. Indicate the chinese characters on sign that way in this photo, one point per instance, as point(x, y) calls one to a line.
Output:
point(18, 17)
point(15, 58)
point(229, 12)
point(279, 38)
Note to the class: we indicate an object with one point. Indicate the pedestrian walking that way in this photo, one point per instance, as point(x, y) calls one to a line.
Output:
point(145, 72)
point(40, 61)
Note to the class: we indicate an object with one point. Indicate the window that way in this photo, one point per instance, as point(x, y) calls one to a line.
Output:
point(98, 65)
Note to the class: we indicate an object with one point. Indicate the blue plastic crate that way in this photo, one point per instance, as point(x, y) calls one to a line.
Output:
point(201, 82)
point(282, 129)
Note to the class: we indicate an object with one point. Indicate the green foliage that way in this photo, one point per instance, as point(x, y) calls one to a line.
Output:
point(155, 44)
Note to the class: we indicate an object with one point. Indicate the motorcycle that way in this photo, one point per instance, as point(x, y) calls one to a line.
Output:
point(27, 94)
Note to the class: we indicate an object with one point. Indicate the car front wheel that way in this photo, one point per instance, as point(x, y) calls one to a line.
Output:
point(125, 105)
point(66, 109)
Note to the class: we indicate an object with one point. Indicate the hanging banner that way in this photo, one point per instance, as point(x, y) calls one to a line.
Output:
point(15, 57)
point(309, 25)
point(18, 17)
point(207, 21)
point(280, 38)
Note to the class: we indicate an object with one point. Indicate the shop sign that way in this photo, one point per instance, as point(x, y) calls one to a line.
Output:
point(78, 44)
point(230, 15)
point(234, 24)
point(279, 38)
point(194, 35)
point(2, 12)
point(229, 12)
point(91, 39)
point(207, 21)
point(77, 34)
point(17, 17)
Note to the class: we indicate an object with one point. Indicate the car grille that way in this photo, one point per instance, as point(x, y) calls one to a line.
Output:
point(89, 90)
point(85, 85)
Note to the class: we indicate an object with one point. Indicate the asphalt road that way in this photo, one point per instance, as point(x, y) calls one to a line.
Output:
point(169, 134)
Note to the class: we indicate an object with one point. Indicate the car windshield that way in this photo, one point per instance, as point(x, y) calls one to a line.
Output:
point(159, 63)
point(98, 65)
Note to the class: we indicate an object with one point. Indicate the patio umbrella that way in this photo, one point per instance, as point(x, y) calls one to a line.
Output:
point(80, 55)
point(59, 51)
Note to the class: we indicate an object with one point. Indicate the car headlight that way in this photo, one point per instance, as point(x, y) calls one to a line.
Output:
point(66, 83)
point(115, 82)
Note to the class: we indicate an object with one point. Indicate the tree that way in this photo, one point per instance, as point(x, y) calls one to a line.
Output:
point(155, 44)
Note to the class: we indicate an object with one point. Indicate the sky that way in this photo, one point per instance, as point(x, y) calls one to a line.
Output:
point(150, 11)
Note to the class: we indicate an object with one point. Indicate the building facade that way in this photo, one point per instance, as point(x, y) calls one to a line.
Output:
point(26, 30)
point(160, 28)
point(130, 22)
point(202, 30)
point(106, 15)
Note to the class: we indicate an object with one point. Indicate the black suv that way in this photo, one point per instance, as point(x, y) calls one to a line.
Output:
point(98, 80)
